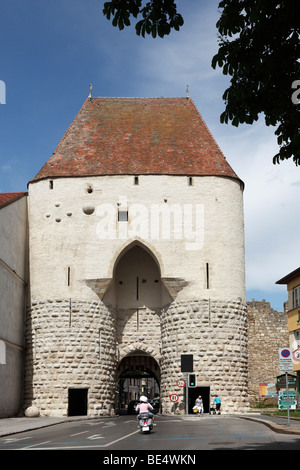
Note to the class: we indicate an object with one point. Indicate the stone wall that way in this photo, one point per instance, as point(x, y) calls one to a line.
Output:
point(215, 332)
point(73, 344)
point(69, 343)
point(267, 332)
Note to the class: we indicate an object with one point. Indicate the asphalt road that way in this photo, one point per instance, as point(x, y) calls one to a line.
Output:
point(176, 434)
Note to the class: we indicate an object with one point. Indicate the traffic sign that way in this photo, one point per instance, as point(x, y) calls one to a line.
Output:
point(174, 397)
point(285, 359)
point(180, 383)
point(296, 355)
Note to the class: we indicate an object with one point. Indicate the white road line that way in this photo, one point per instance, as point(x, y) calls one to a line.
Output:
point(34, 445)
point(120, 439)
point(15, 439)
point(77, 434)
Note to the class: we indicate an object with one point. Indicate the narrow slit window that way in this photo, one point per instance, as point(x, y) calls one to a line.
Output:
point(136, 180)
point(69, 276)
point(207, 276)
point(51, 184)
point(190, 181)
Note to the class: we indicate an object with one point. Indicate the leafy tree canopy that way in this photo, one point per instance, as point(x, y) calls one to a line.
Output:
point(158, 16)
point(259, 48)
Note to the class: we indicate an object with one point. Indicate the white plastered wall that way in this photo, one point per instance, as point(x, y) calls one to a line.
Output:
point(70, 245)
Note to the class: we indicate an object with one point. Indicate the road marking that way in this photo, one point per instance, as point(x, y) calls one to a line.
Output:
point(14, 439)
point(77, 434)
point(34, 445)
point(120, 439)
point(95, 436)
point(75, 446)
point(109, 424)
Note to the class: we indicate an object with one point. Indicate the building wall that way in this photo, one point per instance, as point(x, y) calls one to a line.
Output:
point(78, 255)
point(62, 235)
point(267, 332)
point(293, 319)
point(13, 278)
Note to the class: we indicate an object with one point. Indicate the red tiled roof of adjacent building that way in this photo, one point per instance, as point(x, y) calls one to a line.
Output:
point(137, 136)
point(7, 198)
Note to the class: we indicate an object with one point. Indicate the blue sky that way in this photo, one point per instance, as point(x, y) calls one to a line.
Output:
point(51, 51)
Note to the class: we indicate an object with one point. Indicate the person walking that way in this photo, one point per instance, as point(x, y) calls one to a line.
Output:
point(217, 401)
point(199, 404)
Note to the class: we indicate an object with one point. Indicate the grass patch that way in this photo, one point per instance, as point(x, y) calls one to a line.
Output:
point(293, 413)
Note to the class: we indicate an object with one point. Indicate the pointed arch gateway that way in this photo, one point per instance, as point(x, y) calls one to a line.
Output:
point(138, 294)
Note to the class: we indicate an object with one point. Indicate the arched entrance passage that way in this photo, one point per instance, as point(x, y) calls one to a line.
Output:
point(137, 374)
point(137, 295)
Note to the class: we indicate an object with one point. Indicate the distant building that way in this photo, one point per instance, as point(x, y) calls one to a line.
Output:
point(292, 306)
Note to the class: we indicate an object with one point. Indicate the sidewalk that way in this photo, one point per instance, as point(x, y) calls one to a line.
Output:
point(16, 425)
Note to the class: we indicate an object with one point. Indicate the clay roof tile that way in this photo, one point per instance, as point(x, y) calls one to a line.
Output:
point(141, 136)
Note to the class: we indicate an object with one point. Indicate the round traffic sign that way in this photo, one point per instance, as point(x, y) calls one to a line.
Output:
point(296, 355)
point(174, 397)
point(180, 383)
point(285, 353)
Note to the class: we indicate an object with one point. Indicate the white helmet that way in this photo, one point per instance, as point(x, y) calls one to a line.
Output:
point(144, 399)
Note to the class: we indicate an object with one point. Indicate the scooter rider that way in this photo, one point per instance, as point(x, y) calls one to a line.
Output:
point(144, 407)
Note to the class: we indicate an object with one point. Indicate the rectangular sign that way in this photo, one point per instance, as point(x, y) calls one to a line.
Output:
point(285, 359)
point(187, 363)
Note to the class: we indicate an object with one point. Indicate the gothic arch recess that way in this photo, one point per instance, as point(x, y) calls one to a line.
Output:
point(136, 280)
point(149, 249)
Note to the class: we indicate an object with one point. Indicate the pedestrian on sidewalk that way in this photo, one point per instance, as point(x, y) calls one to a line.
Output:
point(217, 401)
point(199, 405)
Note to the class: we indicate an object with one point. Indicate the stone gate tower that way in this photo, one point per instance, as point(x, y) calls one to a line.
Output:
point(136, 258)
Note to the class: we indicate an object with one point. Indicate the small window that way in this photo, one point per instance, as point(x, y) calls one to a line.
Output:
point(51, 184)
point(136, 180)
point(122, 216)
point(190, 181)
point(297, 338)
point(296, 297)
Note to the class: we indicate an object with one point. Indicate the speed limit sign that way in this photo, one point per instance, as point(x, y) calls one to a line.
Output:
point(174, 397)
point(296, 355)
point(180, 383)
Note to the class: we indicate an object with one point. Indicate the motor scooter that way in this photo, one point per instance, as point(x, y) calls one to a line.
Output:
point(145, 422)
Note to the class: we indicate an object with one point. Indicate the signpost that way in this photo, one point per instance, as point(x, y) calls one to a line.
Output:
point(187, 365)
point(286, 365)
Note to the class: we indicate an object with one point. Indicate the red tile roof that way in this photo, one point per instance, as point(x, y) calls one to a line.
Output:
point(7, 198)
point(137, 136)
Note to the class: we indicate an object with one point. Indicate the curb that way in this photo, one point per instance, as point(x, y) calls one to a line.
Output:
point(275, 427)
